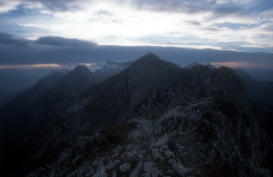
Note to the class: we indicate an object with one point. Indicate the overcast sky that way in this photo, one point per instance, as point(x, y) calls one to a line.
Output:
point(244, 25)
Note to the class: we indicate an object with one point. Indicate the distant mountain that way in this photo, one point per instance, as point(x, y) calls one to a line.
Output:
point(56, 90)
point(110, 68)
point(151, 119)
point(38, 105)
point(15, 116)
point(26, 101)
point(14, 80)
point(68, 90)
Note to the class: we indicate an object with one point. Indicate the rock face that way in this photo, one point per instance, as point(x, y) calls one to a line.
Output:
point(155, 119)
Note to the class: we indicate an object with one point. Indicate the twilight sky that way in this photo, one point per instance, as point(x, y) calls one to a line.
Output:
point(241, 25)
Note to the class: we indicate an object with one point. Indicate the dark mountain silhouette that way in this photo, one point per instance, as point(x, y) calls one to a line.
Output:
point(4, 98)
point(260, 91)
point(67, 91)
point(15, 116)
point(140, 79)
point(25, 102)
point(261, 100)
point(32, 110)
point(151, 119)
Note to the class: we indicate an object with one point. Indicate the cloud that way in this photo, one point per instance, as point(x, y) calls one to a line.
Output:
point(226, 24)
point(58, 5)
point(104, 13)
point(14, 50)
point(191, 6)
point(216, 7)
point(212, 9)
point(236, 26)
point(54, 52)
point(226, 9)
point(8, 39)
point(192, 22)
point(12, 40)
point(6, 6)
point(59, 41)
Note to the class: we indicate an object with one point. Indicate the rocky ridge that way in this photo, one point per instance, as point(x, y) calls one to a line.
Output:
point(196, 124)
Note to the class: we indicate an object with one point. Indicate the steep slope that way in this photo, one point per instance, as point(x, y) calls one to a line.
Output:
point(165, 121)
point(67, 91)
point(260, 91)
point(115, 97)
point(31, 117)
point(14, 117)
point(25, 102)
point(261, 99)
point(141, 78)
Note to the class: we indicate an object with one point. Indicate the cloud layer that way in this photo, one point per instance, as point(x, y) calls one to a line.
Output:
point(244, 25)
point(55, 52)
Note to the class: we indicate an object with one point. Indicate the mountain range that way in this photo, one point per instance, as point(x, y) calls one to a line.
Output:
point(145, 118)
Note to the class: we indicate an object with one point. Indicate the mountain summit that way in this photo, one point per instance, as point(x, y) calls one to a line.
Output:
point(82, 69)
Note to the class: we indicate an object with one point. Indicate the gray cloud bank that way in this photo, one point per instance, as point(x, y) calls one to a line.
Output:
point(14, 51)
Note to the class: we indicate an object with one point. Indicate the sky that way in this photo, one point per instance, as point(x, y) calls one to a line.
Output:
point(237, 25)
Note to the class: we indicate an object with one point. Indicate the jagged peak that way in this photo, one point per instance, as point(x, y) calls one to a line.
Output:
point(149, 57)
point(79, 72)
point(227, 71)
point(151, 60)
point(201, 68)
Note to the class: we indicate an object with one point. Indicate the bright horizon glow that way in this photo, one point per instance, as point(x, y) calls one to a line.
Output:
point(31, 66)
point(232, 64)
point(46, 66)
point(241, 65)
